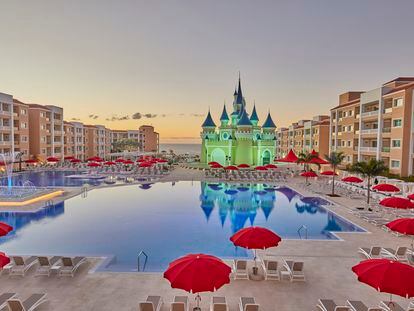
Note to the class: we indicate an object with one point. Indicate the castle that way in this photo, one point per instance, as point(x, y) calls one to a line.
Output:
point(239, 139)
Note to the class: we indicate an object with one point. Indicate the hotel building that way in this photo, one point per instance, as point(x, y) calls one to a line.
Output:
point(304, 136)
point(149, 139)
point(377, 124)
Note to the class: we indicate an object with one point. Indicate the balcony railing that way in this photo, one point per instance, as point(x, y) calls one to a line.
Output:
point(370, 113)
point(385, 149)
point(386, 130)
point(369, 131)
point(5, 127)
point(368, 149)
point(388, 110)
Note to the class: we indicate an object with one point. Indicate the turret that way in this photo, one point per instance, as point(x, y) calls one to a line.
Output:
point(239, 104)
point(209, 128)
point(224, 119)
point(269, 128)
point(254, 119)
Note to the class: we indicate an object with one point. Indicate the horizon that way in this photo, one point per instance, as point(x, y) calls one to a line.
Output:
point(295, 58)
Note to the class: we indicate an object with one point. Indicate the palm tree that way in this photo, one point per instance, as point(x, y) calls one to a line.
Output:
point(304, 158)
point(369, 170)
point(335, 159)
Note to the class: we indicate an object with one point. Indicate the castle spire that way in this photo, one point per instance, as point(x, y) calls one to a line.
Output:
point(268, 123)
point(208, 122)
point(254, 116)
point(224, 115)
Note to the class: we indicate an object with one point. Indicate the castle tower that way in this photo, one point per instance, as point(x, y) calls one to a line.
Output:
point(225, 130)
point(244, 137)
point(239, 104)
point(208, 134)
point(266, 148)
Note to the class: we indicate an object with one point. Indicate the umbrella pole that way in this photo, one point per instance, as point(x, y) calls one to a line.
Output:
point(255, 264)
point(197, 299)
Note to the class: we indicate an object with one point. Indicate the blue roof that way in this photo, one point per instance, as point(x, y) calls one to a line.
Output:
point(244, 119)
point(224, 115)
point(208, 122)
point(239, 98)
point(254, 116)
point(269, 122)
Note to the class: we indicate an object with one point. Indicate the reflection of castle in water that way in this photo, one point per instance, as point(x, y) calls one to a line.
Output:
point(19, 220)
point(239, 203)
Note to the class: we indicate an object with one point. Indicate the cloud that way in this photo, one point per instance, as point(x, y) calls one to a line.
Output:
point(150, 115)
point(117, 118)
point(196, 114)
point(75, 119)
point(182, 114)
point(93, 116)
point(136, 116)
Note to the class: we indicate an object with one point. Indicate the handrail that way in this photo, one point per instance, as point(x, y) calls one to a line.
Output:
point(306, 231)
point(138, 261)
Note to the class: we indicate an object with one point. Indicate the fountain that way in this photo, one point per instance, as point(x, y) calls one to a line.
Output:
point(25, 192)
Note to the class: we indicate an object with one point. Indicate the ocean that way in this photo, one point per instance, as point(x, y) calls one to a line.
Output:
point(182, 148)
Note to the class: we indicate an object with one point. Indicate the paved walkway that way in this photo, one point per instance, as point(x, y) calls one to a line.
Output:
point(327, 267)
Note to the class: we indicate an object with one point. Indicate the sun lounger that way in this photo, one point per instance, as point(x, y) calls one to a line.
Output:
point(4, 297)
point(399, 254)
point(29, 304)
point(295, 270)
point(248, 304)
point(22, 265)
point(240, 269)
point(180, 303)
point(46, 265)
point(218, 304)
point(270, 268)
point(357, 305)
point(393, 306)
point(371, 253)
point(330, 305)
point(70, 265)
point(152, 303)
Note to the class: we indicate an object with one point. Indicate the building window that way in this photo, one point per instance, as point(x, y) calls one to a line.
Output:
point(397, 123)
point(396, 143)
point(395, 164)
point(349, 143)
point(398, 102)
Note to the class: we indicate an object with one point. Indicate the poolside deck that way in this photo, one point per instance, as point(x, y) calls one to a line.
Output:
point(327, 267)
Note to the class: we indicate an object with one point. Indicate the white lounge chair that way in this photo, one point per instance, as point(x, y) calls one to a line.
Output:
point(371, 253)
point(29, 304)
point(271, 271)
point(357, 305)
point(240, 269)
point(295, 270)
point(218, 304)
point(70, 265)
point(46, 264)
point(21, 265)
point(248, 304)
point(180, 303)
point(152, 303)
point(393, 306)
point(4, 298)
point(330, 305)
point(399, 254)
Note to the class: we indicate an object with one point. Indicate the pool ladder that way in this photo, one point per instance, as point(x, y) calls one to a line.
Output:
point(84, 193)
point(49, 203)
point(303, 227)
point(142, 253)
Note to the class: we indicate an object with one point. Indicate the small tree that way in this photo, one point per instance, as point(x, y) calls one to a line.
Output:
point(369, 170)
point(335, 159)
point(304, 158)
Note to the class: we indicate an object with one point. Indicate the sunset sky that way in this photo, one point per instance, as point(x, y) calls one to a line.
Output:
point(167, 62)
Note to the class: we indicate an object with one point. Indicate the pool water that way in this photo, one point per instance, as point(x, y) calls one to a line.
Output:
point(51, 179)
point(167, 220)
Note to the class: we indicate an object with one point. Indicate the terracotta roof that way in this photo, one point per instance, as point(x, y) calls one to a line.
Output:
point(37, 106)
point(19, 102)
point(400, 79)
point(350, 103)
point(400, 88)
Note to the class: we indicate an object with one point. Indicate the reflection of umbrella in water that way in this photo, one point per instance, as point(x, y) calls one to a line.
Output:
point(309, 208)
point(145, 186)
point(231, 191)
point(215, 187)
point(243, 189)
point(207, 207)
point(314, 200)
point(288, 193)
point(300, 208)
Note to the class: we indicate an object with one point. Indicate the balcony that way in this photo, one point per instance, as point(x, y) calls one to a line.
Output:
point(388, 110)
point(386, 129)
point(5, 113)
point(5, 142)
point(368, 149)
point(369, 131)
point(5, 128)
point(385, 149)
point(370, 113)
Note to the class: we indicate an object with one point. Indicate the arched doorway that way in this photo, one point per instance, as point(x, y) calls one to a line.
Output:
point(219, 156)
point(266, 157)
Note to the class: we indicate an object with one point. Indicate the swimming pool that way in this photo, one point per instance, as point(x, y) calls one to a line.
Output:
point(167, 221)
point(51, 179)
